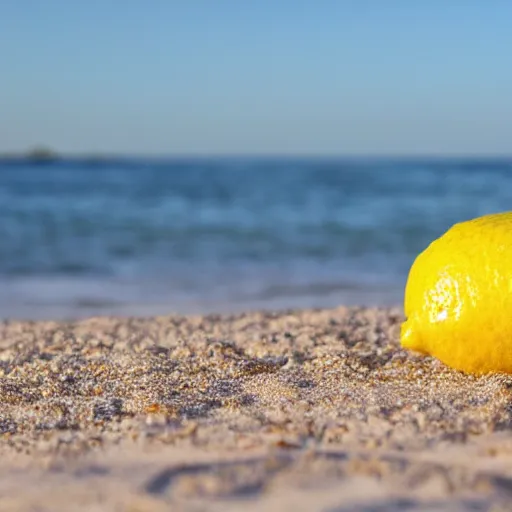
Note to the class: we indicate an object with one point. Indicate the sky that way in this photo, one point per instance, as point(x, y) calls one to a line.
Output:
point(321, 77)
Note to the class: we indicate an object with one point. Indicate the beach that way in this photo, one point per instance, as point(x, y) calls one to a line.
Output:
point(290, 410)
point(213, 218)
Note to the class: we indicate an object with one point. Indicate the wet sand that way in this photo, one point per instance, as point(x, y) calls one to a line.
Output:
point(297, 410)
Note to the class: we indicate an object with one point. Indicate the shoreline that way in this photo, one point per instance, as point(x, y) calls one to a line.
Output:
point(43, 298)
point(304, 409)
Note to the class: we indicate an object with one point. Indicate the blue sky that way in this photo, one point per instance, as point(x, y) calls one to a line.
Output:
point(281, 76)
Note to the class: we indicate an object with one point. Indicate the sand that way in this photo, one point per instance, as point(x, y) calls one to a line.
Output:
point(297, 410)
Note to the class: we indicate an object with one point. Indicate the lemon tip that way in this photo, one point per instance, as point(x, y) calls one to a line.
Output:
point(409, 337)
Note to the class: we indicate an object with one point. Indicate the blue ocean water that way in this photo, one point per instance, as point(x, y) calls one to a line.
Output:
point(144, 236)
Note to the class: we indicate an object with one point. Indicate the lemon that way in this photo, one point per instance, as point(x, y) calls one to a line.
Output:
point(458, 297)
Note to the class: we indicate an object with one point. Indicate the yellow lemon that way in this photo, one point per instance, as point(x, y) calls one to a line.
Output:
point(458, 297)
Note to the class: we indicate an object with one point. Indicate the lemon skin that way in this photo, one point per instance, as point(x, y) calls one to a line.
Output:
point(458, 297)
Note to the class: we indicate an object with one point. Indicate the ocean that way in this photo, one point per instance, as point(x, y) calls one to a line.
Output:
point(140, 236)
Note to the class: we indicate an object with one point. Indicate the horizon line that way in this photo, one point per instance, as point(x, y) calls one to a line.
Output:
point(44, 153)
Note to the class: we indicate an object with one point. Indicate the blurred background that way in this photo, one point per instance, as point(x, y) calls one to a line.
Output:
point(224, 156)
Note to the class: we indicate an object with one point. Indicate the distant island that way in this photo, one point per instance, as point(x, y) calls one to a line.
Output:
point(38, 154)
point(42, 154)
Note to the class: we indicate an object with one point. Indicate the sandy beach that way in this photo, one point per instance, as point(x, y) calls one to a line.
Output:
point(296, 410)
